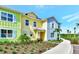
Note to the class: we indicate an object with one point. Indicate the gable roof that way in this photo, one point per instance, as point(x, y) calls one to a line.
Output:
point(3, 7)
point(33, 15)
point(52, 17)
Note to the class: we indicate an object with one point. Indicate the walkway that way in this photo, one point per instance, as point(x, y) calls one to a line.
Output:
point(63, 48)
point(76, 49)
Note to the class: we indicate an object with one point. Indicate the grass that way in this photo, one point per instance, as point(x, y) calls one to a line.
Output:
point(74, 38)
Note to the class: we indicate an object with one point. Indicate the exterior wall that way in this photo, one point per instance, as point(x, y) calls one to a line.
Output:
point(19, 26)
point(45, 27)
point(27, 29)
point(15, 26)
point(50, 29)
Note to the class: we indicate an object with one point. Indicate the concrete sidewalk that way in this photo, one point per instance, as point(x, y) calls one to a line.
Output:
point(75, 49)
point(63, 48)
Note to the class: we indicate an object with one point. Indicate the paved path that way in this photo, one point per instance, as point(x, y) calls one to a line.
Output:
point(63, 48)
point(75, 49)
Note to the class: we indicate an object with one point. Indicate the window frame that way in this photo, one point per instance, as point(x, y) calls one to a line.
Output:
point(7, 37)
point(13, 18)
point(52, 34)
point(27, 22)
point(3, 33)
point(34, 24)
point(52, 25)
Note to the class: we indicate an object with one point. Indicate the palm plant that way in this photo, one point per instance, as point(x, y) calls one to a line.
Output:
point(58, 33)
point(68, 31)
point(77, 25)
point(74, 32)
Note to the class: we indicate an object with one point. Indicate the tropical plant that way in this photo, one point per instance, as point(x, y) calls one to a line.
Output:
point(58, 33)
point(74, 32)
point(68, 31)
point(77, 25)
point(24, 39)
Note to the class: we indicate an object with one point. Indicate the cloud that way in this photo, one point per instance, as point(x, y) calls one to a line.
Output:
point(70, 15)
point(40, 6)
point(73, 18)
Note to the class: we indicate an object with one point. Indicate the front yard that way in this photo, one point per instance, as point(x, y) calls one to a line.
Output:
point(31, 48)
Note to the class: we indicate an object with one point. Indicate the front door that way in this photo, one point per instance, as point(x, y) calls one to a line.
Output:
point(42, 34)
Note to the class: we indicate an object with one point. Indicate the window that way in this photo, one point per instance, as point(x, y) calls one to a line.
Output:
point(6, 33)
point(52, 34)
point(27, 22)
point(3, 16)
point(34, 24)
point(9, 33)
point(52, 25)
point(7, 17)
point(10, 17)
point(3, 33)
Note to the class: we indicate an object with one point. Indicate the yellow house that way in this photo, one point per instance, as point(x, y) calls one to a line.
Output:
point(33, 26)
point(36, 28)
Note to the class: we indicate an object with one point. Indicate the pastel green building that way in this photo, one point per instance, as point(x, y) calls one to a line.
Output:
point(10, 23)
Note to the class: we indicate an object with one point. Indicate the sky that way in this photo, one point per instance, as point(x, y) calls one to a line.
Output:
point(67, 15)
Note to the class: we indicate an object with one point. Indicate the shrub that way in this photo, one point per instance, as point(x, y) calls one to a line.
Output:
point(6, 47)
point(15, 46)
point(1, 49)
point(75, 41)
point(5, 51)
point(24, 39)
point(11, 48)
point(14, 52)
point(1, 42)
point(39, 40)
point(4, 41)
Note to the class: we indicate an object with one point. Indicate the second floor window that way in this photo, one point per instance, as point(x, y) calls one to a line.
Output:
point(52, 25)
point(7, 17)
point(34, 24)
point(3, 16)
point(10, 17)
point(27, 22)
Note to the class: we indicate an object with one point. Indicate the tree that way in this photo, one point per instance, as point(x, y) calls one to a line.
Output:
point(68, 31)
point(74, 32)
point(58, 33)
point(77, 24)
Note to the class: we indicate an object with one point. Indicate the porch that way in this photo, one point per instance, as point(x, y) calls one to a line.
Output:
point(39, 33)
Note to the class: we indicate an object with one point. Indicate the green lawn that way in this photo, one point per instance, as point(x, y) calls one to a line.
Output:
point(74, 38)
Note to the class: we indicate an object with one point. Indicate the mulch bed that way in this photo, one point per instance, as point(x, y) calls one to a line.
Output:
point(31, 48)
